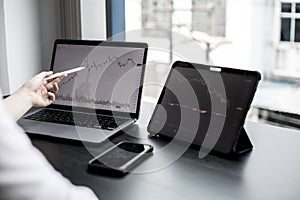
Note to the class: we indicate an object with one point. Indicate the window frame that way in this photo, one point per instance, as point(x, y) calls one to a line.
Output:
point(115, 20)
point(293, 16)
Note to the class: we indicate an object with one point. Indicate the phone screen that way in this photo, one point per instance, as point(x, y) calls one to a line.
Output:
point(121, 157)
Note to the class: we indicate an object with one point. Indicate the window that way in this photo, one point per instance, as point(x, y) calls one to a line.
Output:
point(206, 15)
point(157, 14)
point(290, 22)
point(209, 16)
point(115, 19)
point(260, 35)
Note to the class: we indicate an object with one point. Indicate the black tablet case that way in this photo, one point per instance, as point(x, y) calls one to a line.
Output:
point(239, 141)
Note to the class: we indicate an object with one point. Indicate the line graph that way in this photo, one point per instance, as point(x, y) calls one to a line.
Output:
point(96, 84)
point(92, 64)
point(68, 79)
point(206, 92)
point(210, 88)
point(103, 102)
point(201, 111)
point(127, 62)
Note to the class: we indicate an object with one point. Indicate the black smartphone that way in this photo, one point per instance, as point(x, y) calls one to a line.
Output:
point(120, 159)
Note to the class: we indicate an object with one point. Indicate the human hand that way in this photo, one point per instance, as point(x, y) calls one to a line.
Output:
point(39, 92)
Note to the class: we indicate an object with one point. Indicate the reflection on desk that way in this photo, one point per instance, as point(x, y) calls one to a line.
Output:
point(270, 171)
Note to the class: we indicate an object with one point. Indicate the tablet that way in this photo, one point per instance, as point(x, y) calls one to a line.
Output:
point(204, 105)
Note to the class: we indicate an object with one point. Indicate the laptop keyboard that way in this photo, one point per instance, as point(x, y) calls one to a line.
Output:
point(78, 119)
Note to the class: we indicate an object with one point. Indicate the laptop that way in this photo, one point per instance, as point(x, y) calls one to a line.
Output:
point(97, 102)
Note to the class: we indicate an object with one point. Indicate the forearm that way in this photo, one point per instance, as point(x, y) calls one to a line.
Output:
point(36, 92)
point(18, 103)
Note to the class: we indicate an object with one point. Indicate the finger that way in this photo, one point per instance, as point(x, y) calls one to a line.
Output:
point(64, 75)
point(60, 78)
point(41, 76)
point(44, 82)
point(52, 86)
point(55, 88)
point(49, 86)
point(44, 74)
point(51, 97)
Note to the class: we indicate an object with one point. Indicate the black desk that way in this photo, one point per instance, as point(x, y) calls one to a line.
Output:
point(270, 171)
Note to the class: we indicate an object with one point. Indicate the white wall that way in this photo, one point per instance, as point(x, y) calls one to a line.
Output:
point(250, 32)
point(23, 48)
point(93, 19)
point(258, 33)
point(270, 30)
point(28, 29)
point(4, 82)
point(238, 32)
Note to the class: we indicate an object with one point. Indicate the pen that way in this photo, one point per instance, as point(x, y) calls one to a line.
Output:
point(67, 72)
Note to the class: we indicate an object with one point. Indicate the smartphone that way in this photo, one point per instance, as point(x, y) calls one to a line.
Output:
point(120, 159)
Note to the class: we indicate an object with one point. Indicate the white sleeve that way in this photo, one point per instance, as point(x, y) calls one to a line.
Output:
point(24, 171)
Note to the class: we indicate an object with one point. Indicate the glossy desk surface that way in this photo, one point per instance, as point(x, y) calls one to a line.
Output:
point(270, 171)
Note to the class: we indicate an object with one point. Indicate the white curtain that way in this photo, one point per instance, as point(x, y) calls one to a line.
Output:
point(70, 19)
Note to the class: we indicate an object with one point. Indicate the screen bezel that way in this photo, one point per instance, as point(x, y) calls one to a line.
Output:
point(181, 64)
point(109, 44)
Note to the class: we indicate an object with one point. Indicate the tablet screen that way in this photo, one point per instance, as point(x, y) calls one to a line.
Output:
point(205, 103)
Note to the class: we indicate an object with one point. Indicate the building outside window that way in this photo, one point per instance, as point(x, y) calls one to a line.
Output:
point(209, 16)
point(261, 35)
point(290, 21)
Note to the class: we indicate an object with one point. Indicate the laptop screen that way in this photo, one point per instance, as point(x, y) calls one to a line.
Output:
point(110, 81)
